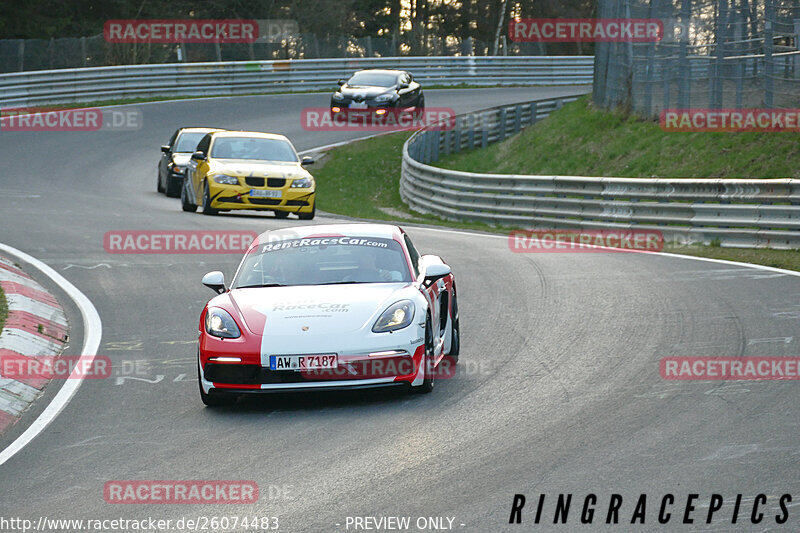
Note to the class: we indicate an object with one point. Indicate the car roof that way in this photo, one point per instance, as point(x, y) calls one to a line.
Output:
point(255, 134)
point(376, 231)
point(200, 130)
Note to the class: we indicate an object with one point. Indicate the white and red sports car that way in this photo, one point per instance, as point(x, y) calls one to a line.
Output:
point(328, 307)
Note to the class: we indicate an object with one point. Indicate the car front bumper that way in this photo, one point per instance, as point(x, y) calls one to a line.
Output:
point(293, 200)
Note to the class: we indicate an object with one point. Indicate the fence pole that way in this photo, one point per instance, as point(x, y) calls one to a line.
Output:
point(769, 16)
point(684, 73)
point(719, 64)
point(797, 46)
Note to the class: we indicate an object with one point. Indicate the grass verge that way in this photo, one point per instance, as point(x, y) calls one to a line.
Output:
point(580, 140)
point(362, 180)
point(3, 309)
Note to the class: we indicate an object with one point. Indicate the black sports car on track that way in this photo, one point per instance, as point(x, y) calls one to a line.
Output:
point(378, 91)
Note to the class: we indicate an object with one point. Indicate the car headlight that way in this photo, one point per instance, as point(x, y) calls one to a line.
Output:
point(338, 96)
point(383, 98)
point(219, 323)
point(302, 183)
point(177, 170)
point(397, 316)
point(226, 180)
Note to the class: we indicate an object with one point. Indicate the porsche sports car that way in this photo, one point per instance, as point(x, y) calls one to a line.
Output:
point(328, 307)
point(248, 170)
point(378, 91)
point(175, 158)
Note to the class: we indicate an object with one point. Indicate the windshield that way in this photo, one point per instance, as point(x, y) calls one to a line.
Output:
point(323, 261)
point(187, 141)
point(373, 79)
point(253, 148)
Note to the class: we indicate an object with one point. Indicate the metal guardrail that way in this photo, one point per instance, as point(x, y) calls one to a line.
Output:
point(245, 77)
point(732, 212)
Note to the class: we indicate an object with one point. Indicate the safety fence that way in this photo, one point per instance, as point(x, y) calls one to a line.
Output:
point(250, 77)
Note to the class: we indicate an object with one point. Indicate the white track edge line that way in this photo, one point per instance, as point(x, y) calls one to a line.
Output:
point(93, 330)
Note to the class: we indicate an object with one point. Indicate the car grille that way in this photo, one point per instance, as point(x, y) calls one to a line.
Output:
point(296, 202)
point(276, 182)
point(254, 182)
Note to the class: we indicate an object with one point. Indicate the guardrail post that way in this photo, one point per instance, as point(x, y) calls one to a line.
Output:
point(517, 119)
point(534, 110)
point(435, 138)
point(501, 134)
point(448, 137)
point(457, 135)
point(484, 132)
point(470, 131)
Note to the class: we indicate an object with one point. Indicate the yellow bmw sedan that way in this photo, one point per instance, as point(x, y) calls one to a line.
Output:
point(248, 170)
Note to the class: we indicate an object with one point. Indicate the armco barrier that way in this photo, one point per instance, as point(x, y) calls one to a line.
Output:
point(735, 212)
point(244, 77)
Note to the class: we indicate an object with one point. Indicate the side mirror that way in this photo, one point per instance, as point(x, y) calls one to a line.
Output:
point(403, 86)
point(165, 148)
point(341, 82)
point(199, 156)
point(215, 281)
point(436, 271)
point(307, 161)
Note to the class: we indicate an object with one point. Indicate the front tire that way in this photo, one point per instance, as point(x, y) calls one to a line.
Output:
point(308, 216)
point(207, 209)
point(159, 188)
point(430, 377)
point(214, 400)
point(455, 339)
point(173, 189)
point(186, 205)
point(419, 109)
point(281, 214)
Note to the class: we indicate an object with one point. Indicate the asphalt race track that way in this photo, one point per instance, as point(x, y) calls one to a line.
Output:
point(559, 391)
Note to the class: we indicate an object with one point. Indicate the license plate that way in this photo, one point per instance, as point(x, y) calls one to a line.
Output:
point(265, 194)
point(302, 362)
point(358, 105)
